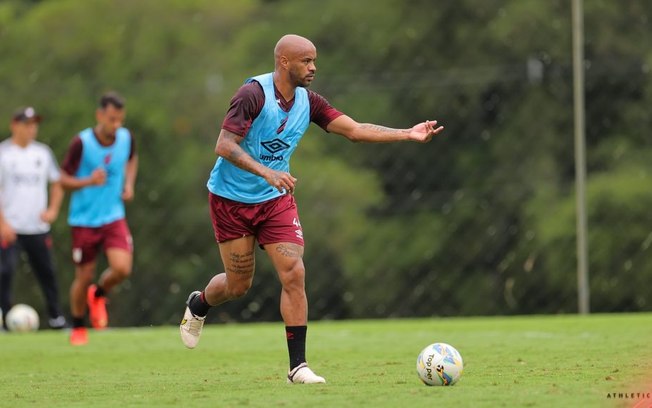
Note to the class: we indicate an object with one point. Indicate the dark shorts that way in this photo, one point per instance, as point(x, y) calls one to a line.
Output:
point(88, 241)
point(270, 222)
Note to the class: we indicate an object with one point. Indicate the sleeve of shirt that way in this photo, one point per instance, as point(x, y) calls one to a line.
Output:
point(73, 156)
point(1, 177)
point(321, 112)
point(132, 151)
point(2, 183)
point(245, 106)
point(54, 174)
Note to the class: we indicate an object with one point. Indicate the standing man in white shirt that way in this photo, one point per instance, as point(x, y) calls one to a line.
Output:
point(26, 169)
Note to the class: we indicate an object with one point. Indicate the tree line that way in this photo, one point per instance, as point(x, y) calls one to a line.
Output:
point(479, 221)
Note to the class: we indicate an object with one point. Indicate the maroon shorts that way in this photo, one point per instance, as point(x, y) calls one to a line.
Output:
point(87, 241)
point(270, 222)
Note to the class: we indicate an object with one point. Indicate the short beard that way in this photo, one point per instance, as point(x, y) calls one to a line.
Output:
point(297, 81)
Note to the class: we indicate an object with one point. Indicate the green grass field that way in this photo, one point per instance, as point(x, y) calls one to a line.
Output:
point(537, 361)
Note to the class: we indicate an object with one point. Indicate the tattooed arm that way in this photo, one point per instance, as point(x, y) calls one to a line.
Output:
point(228, 147)
point(368, 132)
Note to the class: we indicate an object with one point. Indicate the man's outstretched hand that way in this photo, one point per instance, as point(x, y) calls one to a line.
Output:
point(424, 131)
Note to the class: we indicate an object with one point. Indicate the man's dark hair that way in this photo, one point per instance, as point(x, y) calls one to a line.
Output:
point(112, 98)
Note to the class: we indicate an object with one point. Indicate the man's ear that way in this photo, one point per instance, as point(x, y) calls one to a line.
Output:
point(284, 61)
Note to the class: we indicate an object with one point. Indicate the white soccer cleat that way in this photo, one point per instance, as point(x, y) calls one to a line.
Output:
point(191, 325)
point(302, 374)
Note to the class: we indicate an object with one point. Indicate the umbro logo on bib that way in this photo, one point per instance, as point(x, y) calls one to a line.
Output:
point(275, 146)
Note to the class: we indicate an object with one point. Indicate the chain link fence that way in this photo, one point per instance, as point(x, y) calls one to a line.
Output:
point(480, 221)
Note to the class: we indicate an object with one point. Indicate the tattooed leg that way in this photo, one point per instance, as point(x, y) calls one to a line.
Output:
point(288, 262)
point(238, 257)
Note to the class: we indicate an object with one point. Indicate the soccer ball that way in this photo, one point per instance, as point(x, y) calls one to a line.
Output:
point(439, 364)
point(22, 318)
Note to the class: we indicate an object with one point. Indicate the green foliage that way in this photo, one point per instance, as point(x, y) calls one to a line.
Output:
point(479, 221)
point(619, 240)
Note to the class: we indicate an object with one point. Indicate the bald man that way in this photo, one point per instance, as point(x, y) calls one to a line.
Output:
point(251, 189)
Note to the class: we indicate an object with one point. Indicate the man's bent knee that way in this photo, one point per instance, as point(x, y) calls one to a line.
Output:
point(122, 273)
point(237, 291)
